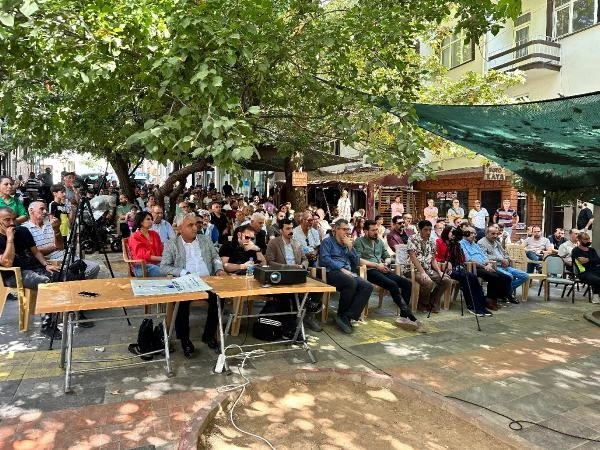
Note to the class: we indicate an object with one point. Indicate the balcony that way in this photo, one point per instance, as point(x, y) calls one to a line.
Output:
point(538, 53)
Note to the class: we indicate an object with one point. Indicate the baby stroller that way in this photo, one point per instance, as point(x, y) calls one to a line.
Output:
point(98, 231)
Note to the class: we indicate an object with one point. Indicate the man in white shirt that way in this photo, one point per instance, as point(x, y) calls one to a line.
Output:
point(192, 253)
point(160, 225)
point(565, 249)
point(538, 247)
point(308, 238)
point(479, 218)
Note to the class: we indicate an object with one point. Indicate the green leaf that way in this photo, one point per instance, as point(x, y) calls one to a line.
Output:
point(254, 110)
point(217, 81)
point(84, 77)
point(28, 8)
point(7, 19)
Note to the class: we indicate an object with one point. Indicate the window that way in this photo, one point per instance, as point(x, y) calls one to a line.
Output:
point(573, 15)
point(522, 34)
point(335, 147)
point(456, 50)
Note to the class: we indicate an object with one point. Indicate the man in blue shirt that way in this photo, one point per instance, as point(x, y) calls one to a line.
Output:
point(339, 257)
point(499, 284)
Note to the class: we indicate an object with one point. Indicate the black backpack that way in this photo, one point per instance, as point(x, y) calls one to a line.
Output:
point(150, 339)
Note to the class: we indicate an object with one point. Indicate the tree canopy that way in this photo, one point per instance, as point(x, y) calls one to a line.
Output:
point(185, 80)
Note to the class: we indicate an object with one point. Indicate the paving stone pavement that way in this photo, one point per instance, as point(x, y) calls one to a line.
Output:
point(537, 361)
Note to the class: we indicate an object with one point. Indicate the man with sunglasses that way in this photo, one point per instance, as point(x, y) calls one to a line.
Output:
point(236, 254)
point(397, 236)
point(340, 259)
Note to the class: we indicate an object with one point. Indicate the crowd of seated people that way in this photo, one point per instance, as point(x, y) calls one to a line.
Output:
point(219, 233)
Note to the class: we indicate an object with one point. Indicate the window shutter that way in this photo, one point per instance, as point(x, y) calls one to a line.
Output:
point(549, 17)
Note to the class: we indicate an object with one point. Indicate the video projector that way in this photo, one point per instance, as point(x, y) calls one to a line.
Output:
point(279, 275)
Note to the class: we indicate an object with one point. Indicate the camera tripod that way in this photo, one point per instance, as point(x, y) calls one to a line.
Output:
point(70, 249)
point(462, 312)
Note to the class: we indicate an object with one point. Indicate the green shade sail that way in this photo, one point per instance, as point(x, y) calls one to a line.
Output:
point(552, 144)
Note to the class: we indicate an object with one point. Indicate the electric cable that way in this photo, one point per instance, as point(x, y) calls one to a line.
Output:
point(515, 425)
point(242, 386)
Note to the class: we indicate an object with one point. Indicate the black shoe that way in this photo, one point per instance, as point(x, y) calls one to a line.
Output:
point(47, 331)
point(11, 297)
point(504, 299)
point(487, 313)
point(188, 348)
point(343, 324)
point(211, 343)
point(81, 316)
point(409, 315)
point(512, 299)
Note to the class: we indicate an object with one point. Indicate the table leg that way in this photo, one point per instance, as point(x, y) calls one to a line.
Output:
point(69, 352)
point(167, 352)
point(63, 343)
point(221, 337)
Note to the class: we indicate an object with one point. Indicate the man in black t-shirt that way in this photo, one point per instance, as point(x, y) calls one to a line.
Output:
point(585, 218)
point(218, 219)
point(587, 264)
point(237, 253)
point(18, 249)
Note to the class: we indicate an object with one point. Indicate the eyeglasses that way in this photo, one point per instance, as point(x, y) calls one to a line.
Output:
point(344, 229)
point(249, 238)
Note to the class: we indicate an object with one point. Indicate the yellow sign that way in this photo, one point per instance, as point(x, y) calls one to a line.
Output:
point(299, 179)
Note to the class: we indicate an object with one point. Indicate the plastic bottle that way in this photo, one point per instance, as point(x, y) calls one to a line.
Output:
point(250, 268)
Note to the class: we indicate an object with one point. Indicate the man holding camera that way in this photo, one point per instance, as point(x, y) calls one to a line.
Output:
point(340, 259)
point(374, 256)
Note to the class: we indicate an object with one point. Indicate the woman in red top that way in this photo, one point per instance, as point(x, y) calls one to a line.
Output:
point(146, 244)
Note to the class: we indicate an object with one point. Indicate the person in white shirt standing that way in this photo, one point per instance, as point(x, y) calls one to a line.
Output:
point(479, 218)
point(344, 207)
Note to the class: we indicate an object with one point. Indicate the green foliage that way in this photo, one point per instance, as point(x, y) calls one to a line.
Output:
point(182, 79)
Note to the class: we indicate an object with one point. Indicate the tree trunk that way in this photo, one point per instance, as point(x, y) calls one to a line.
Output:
point(121, 168)
point(295, 195)
point(169, 187)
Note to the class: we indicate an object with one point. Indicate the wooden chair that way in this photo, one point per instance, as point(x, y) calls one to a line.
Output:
point(517, 253)
point(455, 287)
point(399, 269)
point(25, 297)
point(314, 272)
point(132, 262)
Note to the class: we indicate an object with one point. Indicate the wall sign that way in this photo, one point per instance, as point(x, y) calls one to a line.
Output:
point(300, 179)
point(494, 172)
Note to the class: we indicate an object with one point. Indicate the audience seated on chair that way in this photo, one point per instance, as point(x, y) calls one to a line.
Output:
point(374, 256)
point(496, 253)
point(499, 285)
point(19, 250)
point(160, 225)
point(450, 251)
point(191, 252)
point(431, 278)
point(588, 264)
point(538, 247)
point(238, 253)
point(340, 259)
point(146, 244)
point(565, 249)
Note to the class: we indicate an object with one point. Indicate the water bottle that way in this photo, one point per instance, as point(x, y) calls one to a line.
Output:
point(250, 268)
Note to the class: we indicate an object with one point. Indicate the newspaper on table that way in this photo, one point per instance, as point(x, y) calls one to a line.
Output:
point(187, 283)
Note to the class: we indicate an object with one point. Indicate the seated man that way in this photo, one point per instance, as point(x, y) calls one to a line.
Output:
point(588, 262)
point(283, 251)
point(257, 222)
point(205, 227)
point(308, 237)
point(565, 249)
point(557, 239)
point(19, 250)
point(372, 254)
point(433, 282)
point(192, 253)
point(499, 284)
point(340, 259)
point(160, 225)
point(49, 241)
point(236, 254)
point(397, 236)
point(537, 247)
point(495, 252)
